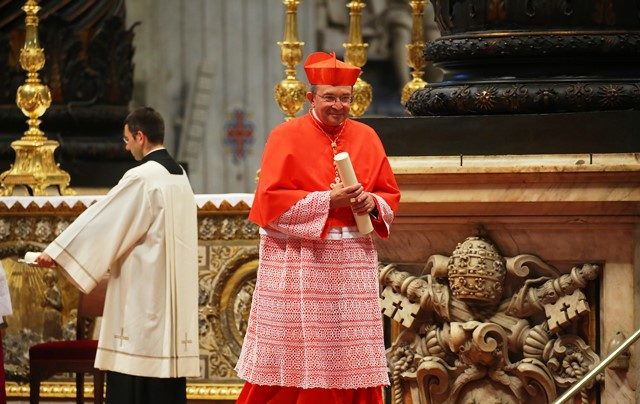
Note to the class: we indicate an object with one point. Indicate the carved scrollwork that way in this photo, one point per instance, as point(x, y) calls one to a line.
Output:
point(226, 288)
point(517, 44)
point(21, 234)
point(437, 265)
point(402, 362)
point(463, 349)
point(433, 376)
point(518, 266)
point(524, 97)
point(227, 271)
point(226, 227)
point(532, 56)
point(490, 339)
point(569, 359)
point(536, 379)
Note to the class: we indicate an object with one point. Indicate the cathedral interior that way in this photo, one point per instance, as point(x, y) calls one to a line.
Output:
point(512, 128)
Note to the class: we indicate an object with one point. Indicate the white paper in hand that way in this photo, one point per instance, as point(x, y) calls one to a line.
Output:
point(348, 176)
point(30, 258)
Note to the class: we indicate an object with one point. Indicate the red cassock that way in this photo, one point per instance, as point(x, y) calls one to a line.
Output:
point(297, 160)
point(252, 393)
point(315, 332)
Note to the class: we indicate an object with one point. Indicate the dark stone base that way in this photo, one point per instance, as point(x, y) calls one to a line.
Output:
point(524, 97)
point(563, 133)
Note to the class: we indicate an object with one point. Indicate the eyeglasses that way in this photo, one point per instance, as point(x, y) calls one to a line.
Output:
point(332, 99)
point(126, 141)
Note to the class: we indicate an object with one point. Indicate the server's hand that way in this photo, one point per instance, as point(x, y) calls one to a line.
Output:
point(44, 260)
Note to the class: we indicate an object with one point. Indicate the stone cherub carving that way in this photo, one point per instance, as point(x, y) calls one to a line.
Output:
point(475, 329)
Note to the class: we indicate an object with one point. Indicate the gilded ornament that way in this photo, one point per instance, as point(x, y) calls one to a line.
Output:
point(42, 231)
point(515, 96)
point(226, 278)
point(5, 229)
point(206, 229)
point(362, 97)
point(228, 282)
point(60, 227)
point(611, 95)
point(545, 96)
point(22, 229)
point(522, 98)
point(462, 98)
point(356, 54)
point(415, 55)
point(290, 93)
point(486, 98)
point(35, 166)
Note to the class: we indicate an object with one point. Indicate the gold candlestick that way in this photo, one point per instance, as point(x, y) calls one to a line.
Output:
point(415, 55)
point(356, 54)
point(35, 166)
point(290, 93)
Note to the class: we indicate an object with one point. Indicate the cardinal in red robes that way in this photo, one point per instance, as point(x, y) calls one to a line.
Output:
point(315, 329)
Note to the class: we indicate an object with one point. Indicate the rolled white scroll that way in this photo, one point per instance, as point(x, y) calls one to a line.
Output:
point(348, 176)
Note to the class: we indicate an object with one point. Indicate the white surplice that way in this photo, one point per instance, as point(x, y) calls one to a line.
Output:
point(145, 232)
point(5, 298)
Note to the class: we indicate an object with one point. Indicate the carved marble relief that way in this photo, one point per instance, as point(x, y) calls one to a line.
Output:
point(482, 327)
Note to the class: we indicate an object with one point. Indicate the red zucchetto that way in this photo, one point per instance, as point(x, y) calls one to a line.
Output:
point(325, 68)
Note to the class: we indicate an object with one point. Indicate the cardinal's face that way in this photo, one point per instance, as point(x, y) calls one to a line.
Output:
point(331, 103)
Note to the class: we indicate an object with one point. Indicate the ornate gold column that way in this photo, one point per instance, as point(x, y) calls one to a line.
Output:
point(35, 166)
point(415, 55)
point(356, 54)
point(290, 93)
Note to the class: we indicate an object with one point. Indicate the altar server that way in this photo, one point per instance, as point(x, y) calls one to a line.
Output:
point(144, 231)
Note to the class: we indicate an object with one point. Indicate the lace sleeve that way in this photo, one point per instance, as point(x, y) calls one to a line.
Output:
point(382, 223)
point(305, 219)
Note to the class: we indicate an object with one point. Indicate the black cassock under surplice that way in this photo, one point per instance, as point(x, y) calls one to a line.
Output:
point(129, 389)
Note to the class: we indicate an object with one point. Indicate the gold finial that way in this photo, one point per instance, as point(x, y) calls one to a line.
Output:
point(35, 166)
point(356, 54)
point(290, 93)
point(415, 55)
